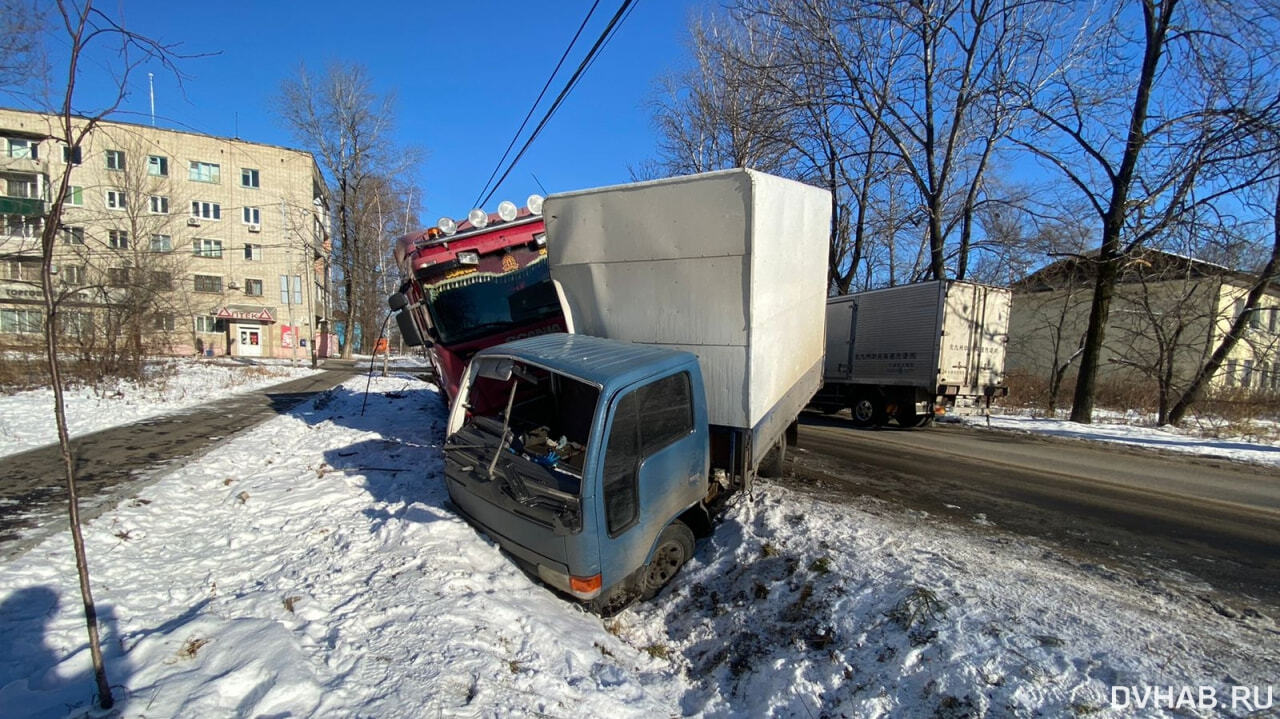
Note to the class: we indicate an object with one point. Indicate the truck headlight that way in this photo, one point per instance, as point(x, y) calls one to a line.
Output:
point(507, 210)
point(469, 257)
point(478, 218)
point(447, 225)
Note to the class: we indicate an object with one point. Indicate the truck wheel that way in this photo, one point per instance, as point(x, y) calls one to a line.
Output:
point(772, 464)
point(867, 412)
point(675, 546)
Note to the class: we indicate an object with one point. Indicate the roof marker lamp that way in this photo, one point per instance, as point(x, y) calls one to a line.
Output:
point(469, 257)
point(447, 226)
point(478, 218)
point(534, 203)
point(507, 210)
point(540, 239)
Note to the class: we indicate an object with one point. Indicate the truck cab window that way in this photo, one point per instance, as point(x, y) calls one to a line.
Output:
point(646, 420)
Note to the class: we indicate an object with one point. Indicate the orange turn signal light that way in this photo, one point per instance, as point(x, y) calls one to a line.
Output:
point(585, 585)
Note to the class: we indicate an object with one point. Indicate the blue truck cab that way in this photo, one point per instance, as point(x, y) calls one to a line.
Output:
point(587, 461)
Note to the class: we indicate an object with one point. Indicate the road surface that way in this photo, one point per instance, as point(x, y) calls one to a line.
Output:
point(1216, 520)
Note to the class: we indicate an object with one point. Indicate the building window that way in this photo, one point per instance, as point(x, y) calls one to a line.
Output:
point(1246, 374)
point(118, 239)
point(23, 271)
point(21, 186)
point(21, 321)
point(157, 165)
point(116, 200)
point(160, 280)
point(117, 277)
point(249, 178)
point(253, 253)
point(71, 274)
point(207, 248)
point(253, 288)
point(73, 235)
point(161, 243)
point(163, 322)
point(284, 289)
point(20, 147)
point(252, 216)
point(1231, 373)
point(205, 172)
point(75, 324)
point(75, 196)
point(115, 159)
point(71, 155)
point(22, 226)
point(206, 210)
point(159, 205)
point(206, 323)
point(208, 283)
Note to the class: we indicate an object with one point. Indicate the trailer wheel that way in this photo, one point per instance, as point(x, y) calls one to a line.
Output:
point(675, 546)
point(867, 411)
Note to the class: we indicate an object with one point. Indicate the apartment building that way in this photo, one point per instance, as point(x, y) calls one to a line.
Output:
point(188, 243)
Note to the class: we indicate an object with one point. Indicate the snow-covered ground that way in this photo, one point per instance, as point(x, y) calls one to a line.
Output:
point(27, 419)
point(313, 567)
point(1137, 432)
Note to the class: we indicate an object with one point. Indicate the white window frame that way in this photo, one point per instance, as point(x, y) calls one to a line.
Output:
point(252, 216)
point(75, 196)
point(21, 320)
point(118, 239)
point(157, 165)
point(22, 148)
point(250, 178)
point(205, 210)
point(206, 324)
point(165, 243)
point(206, 247)
point(115, 160)
point(71, 274)
point(252, 252)
point(210, 172)
point(249, 283)
point(72, 235)
point(195, 283)
point(160, 201)
point(117, 200)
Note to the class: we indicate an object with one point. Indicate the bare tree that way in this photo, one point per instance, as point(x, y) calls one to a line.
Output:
point(21, 56)
point(83, 29)
point(351, 128)
point(1149, 125)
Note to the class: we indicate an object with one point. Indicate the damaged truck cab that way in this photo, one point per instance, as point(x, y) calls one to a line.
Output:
point(594, 471)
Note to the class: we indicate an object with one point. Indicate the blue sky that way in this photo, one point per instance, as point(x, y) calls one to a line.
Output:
point(464, 74)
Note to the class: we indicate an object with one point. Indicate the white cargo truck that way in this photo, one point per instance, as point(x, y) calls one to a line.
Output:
point(695, 306)
point(905, 354)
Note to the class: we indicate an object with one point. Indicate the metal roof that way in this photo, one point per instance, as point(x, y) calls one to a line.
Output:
point(608, 363)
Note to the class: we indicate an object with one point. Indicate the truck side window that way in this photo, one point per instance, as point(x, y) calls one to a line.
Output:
point(645, 421)
point(622, 459)
point(666, 412)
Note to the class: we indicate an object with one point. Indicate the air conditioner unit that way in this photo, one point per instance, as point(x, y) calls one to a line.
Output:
point(193, 222)
point(255, 228)
point(233, 286)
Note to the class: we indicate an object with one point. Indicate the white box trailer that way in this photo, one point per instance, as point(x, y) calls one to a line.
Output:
point(902, 354)
point(729, 265)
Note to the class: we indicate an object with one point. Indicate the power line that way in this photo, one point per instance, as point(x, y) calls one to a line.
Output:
point(536, 102)
point(608, 32)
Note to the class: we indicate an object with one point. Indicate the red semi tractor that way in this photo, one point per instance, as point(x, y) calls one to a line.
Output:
point(474, 284)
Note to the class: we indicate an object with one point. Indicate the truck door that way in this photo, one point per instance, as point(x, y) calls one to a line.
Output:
point(654, 469)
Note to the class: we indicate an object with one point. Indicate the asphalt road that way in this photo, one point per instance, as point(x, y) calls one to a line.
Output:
point(1217, 521)
point(33, 483)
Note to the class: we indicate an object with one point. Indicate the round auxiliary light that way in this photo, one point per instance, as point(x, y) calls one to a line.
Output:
point(534, 203)
point(478, 218)
point(507, 210)
point(447, 225)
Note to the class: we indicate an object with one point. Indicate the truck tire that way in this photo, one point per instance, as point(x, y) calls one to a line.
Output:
point(675, 546)
point(772, 464)
point(868, 411)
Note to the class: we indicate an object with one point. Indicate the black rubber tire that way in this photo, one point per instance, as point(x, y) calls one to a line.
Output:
point(868, 411)
point(674, 547)
point(922, 420)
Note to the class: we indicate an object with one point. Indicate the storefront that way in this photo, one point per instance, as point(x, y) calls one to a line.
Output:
point(249, 330)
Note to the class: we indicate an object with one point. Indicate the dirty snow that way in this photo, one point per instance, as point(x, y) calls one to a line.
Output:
point(313, 567)
point(1108, 427)
point(27, 419)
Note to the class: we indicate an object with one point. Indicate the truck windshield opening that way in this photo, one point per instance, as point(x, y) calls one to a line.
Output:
point(478, 304)
point(548, 430)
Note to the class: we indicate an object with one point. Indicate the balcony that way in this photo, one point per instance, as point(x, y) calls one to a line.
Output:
point(24, 206)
